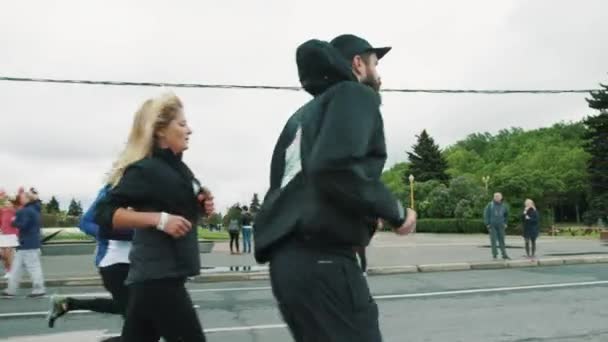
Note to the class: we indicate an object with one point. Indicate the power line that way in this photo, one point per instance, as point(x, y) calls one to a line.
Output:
point(292, 88)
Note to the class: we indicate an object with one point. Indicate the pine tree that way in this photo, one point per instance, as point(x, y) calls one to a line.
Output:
point(53, 206)
point(75, 208)
point(597, 147)
point(426, 160)
point(255, 204)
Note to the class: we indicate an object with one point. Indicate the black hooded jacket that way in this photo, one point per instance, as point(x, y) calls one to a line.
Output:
point(326, 166)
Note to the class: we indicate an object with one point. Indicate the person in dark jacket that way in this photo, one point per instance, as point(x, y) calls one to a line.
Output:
point(234, 230)
point(247, 224)
point(28, 220)
point(112, 260)
point(326, 195)
point(530, 220)
point(155, 193)
point(496, 216)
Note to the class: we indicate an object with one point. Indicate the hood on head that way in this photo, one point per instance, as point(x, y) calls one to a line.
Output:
point(321, 66)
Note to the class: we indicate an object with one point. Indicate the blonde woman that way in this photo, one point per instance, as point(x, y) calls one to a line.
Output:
point(530, 221)
point(156, 194)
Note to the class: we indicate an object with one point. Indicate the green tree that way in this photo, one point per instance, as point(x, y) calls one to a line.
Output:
point(597, 146)
point(53, 206)
point(426, 160)
point(547, 165)
point(215, 219)
point(440, 203)
point(234, 213)
point(468, 196)
point(255, 204)
point(75, 208)
point(422, 191)
point(394, 179)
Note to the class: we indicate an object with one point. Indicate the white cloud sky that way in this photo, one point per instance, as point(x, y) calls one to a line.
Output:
point(63, 138)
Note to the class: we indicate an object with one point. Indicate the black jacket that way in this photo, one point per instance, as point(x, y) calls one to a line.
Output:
point(326, 166)
point(531, 222)
point(158, 183)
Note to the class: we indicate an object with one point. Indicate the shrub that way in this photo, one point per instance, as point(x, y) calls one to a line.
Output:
point(59, 221)
point(466, 226)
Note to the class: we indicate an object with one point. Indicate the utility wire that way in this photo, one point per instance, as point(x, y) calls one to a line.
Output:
point(292, 88)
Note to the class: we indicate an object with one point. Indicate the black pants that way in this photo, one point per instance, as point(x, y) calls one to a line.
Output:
point(113, 278)
point(323, 295)
point(234, 238)
point(161, 308)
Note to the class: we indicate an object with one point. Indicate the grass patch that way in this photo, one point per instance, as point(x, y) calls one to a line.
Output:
point(77, 236)
point(574, 230)
point(214, 236)
point(69, 236)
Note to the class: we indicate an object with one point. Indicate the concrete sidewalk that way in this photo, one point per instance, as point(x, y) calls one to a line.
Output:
point(387, 253)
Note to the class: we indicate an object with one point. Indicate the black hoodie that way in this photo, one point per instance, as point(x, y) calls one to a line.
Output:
point(159, 183)
point(325, 173)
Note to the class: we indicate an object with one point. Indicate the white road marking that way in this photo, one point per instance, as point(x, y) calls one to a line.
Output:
point(491, 290)
point(246, 328)
point(377, 297)
point(228, 289)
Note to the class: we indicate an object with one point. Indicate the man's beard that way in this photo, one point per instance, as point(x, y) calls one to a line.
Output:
point(372, 82)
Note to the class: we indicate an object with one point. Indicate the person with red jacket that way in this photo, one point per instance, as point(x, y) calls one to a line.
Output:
point(8, 233)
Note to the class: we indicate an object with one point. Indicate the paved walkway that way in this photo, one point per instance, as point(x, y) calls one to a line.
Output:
point(386, 249)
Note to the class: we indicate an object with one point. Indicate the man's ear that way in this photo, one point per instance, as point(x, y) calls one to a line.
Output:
point(357, 63)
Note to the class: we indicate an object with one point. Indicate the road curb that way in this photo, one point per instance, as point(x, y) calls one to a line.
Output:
point(551, 262)
point(457, 266)
point(392, 270)
point(376, 271)
point(522, 263)
point(488, 265)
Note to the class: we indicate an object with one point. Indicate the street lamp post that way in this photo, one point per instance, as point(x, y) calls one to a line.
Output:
point(486, 180)
point(411, 178)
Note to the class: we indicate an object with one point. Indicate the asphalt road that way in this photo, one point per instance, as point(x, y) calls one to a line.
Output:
point(565, 303)
point(386, 249)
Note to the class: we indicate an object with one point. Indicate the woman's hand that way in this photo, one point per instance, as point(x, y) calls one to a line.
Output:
point(177, 226)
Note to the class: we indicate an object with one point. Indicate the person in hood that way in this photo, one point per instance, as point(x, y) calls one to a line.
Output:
point(112, 260)
point(28, 221)
point(326, 195)
point(157, 195)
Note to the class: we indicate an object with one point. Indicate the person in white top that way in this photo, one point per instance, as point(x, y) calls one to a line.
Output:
point(112, 259)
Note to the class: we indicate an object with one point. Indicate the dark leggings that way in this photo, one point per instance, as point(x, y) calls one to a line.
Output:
point(161, 308)
point(234, 238)
point(530, 252)
point(113, 278)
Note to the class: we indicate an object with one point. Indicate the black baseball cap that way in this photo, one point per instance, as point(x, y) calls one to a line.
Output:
point(350, 45)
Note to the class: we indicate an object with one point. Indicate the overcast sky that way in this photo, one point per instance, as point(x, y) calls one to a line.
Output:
point(63, 138)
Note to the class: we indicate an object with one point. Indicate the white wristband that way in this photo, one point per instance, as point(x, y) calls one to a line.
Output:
point(162, 223)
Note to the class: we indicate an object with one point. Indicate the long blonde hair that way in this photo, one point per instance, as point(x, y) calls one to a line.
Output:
point(532, 205)
point(155, 114)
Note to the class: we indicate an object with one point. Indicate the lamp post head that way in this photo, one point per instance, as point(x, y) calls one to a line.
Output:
point(411, 178)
